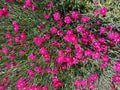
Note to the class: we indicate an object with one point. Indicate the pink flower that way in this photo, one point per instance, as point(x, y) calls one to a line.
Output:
point(56, 16)
point(33, 87)
point(68, 50)
point(91, 86)
point(57, 84)
point(110, 27)
point(60, 33)
point(49, 5)
point(84, 19)
point(96, 55)
point(15, 26)
point(77, 82)
point(8, 35)
point(28, 3)
point(70, 37)
point(88, 52)
point(12, 57)
point(39, 70)
point(116, 78)
point(8, 65)
point(102, 30)
point(116, 67)
point(67, 19)
point(47, 36)
point(44, 87)
point(2, 87)
point(32, 56)
point(55, 70)
point(22, 52)
point(75, 15)
point(34, 8)
point(30, 72)
point(1, 12)
point(46, 16)
point(60, 23)
point(103, 11)
point(83, 82)
point(53, 30)
point(48, 70)
point(77, 88)
point(10, 42)
point(55, 43)
point(63, 66)
point(22, 36)
point(5, 11)
point(43, 50)
point(80, 28)
point(38, 40)
point(96, 12)
point(17, 39)
point(5, 50)
point(41, 26)
point(21, 83)
point(93, 77)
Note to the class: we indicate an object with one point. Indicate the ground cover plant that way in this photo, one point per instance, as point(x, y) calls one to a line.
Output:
point(59, 45)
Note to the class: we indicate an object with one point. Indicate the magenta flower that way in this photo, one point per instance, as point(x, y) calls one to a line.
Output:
point(84, 19)
point(116, 67)
point(102, 30)
point(22, 52)
point(43, 50)
point(56, 16)
point(93, 77)
point(30, 72)
point(32, 56)
point(80, 28)
point(8, 35)
point(21, 83)
point(60, 23)
point(75, 15)
point(116, 78)
point(1, 12)
point(91, 86)
point(8, 65)
point(44, 87)
point(12, 57)
point(6, 11)
point(103, 11)
point(2, 87)
point(5, 50)
point(39, 70)
point(47, 36)
point(88, 53)
point(49, 5)
point(23, 36)
point(38, 40)
point(53, 30)
point(55, 70)
point(67, 19)
point(96, 55)
point(96, 12)
point(46, 16)
point(16, 27)
point(34, 8)
point(41, 26)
